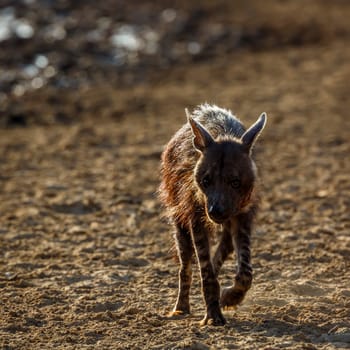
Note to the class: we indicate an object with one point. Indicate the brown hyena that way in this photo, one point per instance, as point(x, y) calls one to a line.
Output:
point(209, 189)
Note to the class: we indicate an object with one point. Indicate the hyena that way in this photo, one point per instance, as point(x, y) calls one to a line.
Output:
point(209, 190)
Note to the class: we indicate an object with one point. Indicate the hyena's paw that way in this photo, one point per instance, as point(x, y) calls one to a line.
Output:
point(231, 297)
point(177, 313)
point(213, 319)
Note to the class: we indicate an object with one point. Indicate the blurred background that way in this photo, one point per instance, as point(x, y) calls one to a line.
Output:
point(64, 46)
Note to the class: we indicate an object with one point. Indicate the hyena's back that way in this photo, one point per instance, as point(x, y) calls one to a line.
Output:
point(218, 121)
point(177, 190)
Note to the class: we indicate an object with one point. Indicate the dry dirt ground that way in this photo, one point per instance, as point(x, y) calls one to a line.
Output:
point(85, 256)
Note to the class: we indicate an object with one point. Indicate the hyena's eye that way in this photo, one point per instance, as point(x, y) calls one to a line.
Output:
point(206, 181)
point(235, 182)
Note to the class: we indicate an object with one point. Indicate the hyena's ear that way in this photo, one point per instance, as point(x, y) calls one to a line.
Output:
point(250, 136)
point(201, 137)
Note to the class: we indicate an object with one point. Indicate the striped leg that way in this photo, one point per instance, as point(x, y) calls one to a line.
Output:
point(185, 252)
point(224, 249)
point(234, 295)
point(210, 285)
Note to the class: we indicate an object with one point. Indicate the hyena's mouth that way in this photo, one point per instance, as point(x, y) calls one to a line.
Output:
point(217, 217)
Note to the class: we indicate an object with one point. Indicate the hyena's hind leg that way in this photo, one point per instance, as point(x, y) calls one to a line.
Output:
point(234, 295)
point(185, 252)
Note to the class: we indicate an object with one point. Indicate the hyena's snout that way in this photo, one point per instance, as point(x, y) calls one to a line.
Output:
point(221, 206)
point(218, 212)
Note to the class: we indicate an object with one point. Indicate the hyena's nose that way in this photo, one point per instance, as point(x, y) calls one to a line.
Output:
point(217, 213)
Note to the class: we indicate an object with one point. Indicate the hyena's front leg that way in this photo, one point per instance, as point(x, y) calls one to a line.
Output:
point(224, 249)
point(210, 284)
point(235, 294)
point(185, 251)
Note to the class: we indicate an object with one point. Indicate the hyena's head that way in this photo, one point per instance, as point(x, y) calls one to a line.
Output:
point(225, 172)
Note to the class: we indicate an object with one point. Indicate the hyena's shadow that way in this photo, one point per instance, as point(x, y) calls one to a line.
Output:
point(276, 328)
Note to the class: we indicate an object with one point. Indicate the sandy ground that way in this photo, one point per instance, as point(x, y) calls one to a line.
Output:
point(85, 256)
